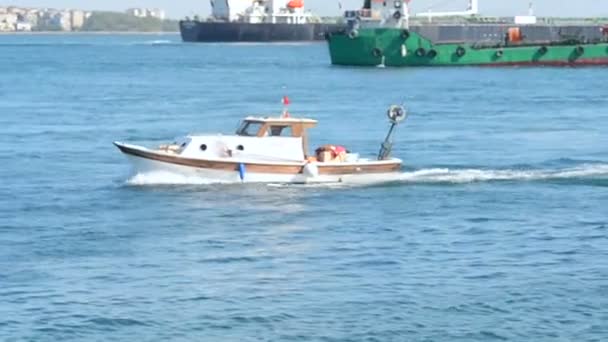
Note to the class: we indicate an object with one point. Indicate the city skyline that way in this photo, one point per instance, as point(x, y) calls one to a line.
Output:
point(325, 7)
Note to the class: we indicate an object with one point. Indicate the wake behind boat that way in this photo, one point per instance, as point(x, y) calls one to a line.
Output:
point(264, 150)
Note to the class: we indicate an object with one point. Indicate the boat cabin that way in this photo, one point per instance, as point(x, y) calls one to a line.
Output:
point(261, 138)
point(277, 127)
point(293, 128)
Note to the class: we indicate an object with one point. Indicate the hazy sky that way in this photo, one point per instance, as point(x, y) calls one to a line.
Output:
point(180, 8)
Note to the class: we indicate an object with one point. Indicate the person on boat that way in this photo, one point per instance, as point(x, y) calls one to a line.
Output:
point(329, 153)
point(339, 153)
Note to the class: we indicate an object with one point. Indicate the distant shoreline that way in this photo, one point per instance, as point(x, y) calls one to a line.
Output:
point(41, 33)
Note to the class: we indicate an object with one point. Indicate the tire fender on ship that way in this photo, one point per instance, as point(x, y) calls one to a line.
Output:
point(353, 34)
point(580, 50)
point(420, 52)
point(460, 51)
point(405, 34)
point(543, 50)
point(432, 53)
point(377, 52)
point(499, 52)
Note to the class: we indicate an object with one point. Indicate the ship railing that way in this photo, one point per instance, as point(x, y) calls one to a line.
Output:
point(572, 21)
point(362, 13)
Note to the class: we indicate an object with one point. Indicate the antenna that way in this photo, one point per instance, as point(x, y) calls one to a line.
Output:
point(531, 9)
point(474, 6)
point(406, 14)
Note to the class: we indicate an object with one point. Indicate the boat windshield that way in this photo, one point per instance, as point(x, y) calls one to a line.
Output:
point(249, 129)
point(280, 131)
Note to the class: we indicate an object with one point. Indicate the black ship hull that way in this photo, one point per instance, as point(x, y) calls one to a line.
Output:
point(194, 31)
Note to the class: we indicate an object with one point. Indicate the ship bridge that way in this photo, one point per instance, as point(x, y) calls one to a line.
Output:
point(261, 11)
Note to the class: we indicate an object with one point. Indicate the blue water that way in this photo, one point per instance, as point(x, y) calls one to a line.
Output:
point(497, 229)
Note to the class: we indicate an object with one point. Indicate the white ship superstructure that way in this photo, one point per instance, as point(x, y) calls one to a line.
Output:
point(261, 11)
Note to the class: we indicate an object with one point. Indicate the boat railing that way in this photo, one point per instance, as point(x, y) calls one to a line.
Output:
point(481, 45)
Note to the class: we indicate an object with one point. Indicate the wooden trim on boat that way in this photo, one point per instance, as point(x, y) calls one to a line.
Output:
point(324, 169)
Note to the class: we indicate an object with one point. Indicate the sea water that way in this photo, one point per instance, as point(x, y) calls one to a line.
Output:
point(495, 230)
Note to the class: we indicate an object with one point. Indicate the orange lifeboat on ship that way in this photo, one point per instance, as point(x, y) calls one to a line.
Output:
point(295, 4)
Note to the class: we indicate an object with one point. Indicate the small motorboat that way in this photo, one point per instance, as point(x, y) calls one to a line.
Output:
point(264, 150)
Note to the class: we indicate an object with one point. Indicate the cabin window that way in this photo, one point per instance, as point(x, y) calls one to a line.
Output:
point(280, 131)
point(249, 129)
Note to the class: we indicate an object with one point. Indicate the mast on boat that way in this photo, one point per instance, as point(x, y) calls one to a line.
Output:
point(396, 114)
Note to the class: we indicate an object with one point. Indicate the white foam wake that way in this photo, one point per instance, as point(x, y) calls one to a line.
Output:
point(434, 175)
point(168, 178)
point(157, 42)
point(445, 175)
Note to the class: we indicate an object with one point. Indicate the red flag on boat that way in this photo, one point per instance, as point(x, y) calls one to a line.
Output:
point(285, 104)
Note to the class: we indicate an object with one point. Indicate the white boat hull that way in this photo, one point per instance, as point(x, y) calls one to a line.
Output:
point(148, 166)
point(143, 165)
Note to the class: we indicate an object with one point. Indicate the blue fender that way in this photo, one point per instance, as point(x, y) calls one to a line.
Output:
point(242, 171)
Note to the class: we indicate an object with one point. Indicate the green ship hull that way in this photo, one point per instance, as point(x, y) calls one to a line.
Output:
point(393, 47)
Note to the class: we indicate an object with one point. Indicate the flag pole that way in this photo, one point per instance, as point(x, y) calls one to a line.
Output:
point(285, 106)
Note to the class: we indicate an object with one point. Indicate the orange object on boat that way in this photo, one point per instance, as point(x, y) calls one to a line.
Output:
point(515, 35)
point(295, 4)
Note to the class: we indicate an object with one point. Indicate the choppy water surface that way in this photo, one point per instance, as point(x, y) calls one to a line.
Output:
point(496, 230)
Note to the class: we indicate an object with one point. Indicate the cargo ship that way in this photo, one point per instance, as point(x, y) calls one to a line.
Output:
point(380, 34)
point(256, 21)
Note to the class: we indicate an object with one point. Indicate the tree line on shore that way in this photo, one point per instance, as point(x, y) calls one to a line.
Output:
point(119, 22)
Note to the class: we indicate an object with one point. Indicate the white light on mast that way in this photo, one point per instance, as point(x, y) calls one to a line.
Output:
point(474, 6)
point(531, 9)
